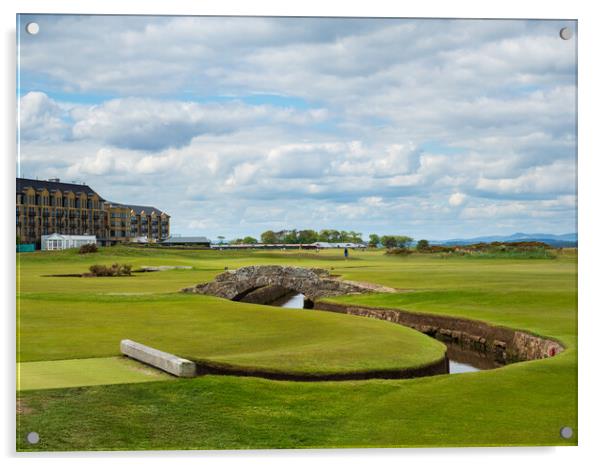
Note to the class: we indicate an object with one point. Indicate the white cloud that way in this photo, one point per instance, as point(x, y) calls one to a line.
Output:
point(243, 174)
point(105, 162)
point(41, 117)
point(457, 199)
point(558, 178)
point(382, 125)
point(149, 124)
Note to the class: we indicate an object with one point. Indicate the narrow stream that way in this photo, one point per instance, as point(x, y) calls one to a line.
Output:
point(461, 360)
point(291, 301)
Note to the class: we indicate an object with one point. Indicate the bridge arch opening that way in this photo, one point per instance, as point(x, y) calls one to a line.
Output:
point(275, 295)
point(243, 295)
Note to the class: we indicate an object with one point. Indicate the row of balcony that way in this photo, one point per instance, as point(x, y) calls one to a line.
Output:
point(64, 205)
point(59, 219)
point(60, 214)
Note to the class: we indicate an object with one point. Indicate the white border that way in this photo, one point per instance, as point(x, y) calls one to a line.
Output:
point(590, 241)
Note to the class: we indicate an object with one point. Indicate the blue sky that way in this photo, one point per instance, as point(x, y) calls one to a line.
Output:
point(430, 128)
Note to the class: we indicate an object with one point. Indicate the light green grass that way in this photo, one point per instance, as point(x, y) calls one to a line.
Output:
point(84, 372)
point(521, 404)
point(203, 328)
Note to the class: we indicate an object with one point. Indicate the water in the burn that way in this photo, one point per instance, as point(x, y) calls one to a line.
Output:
point(292, 301)
point(456, 367)
point(460, 359)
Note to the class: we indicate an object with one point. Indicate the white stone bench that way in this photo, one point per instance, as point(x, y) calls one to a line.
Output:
point(159, 359)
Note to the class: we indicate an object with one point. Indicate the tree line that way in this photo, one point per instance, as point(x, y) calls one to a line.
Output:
point(390, 241)
point(329, 236)
point(302, 237)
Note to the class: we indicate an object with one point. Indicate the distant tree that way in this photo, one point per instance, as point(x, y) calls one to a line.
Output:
point(330, 236)
point(404, 241)
point(374, 240)
point(355, 237)
point(291, 237)
point(307, 236)
point(236, 241)
point(388, 241)
point(269, 237)
point(422, 245)
point(391, 241)
point(249, 240)
point(221, 239)
point(347, 236)
point(280, 235)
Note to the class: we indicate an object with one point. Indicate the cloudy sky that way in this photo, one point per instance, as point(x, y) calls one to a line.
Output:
point(431, 128)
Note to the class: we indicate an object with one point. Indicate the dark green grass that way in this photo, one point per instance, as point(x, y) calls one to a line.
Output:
point(489, 408)
point(521, 404)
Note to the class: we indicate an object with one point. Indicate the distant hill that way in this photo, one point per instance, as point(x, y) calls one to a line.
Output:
point(558, 241)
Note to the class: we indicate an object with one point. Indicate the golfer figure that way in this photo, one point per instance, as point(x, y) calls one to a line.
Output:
point(346, 252)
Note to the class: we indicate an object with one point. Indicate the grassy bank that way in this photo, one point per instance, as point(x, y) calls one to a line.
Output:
point(202, 328)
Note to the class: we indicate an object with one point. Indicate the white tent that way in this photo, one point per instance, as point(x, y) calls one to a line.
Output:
point(56, 241)
point(324, 245)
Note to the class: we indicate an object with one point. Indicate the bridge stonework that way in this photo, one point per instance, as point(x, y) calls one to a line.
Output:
point(314, 283)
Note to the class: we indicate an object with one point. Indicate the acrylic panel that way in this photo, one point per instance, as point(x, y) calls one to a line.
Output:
point(287, 232)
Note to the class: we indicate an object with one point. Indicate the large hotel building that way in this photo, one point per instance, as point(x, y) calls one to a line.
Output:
point(47, 207)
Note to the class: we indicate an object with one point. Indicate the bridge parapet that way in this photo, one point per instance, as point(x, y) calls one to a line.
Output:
point(314, 283)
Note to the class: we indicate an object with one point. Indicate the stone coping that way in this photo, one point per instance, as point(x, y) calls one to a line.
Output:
point(161, 360)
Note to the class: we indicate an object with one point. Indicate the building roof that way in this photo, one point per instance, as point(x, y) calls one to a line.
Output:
point(138, 209)
point(23, 183)
point(146, 209)
point(322, 244)
point(72, 237)
point(186, 239)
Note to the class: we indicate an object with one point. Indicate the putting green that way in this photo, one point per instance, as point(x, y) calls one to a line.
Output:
point(84, 372)
point(204, 328)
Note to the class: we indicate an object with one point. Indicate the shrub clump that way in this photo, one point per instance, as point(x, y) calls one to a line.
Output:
point(115, 270)
point(436, 248)
point(496, 249)
point(88, 248)
point(398, 252)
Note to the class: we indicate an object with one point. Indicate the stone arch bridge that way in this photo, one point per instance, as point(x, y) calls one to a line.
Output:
point(314, 283)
